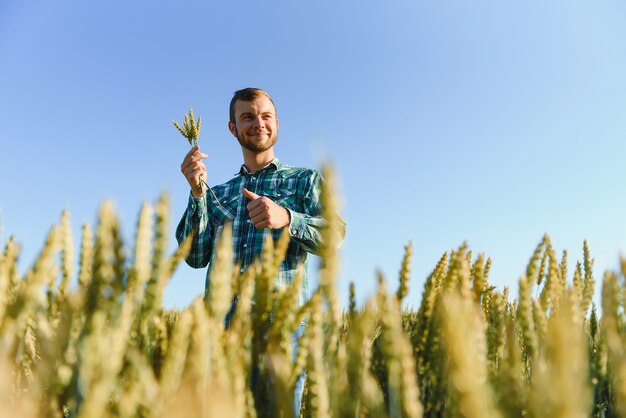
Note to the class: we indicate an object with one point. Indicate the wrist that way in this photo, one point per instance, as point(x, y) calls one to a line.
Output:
point(288, 217)
point(196, 189)
point(196, 193)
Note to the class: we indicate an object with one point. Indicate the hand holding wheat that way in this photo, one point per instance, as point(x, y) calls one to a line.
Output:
point(194, 171)
point(192, 167)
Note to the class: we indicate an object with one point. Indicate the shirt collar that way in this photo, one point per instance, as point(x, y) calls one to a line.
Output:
point(275, 163)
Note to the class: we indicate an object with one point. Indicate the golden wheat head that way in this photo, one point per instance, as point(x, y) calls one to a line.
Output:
point(190, 128)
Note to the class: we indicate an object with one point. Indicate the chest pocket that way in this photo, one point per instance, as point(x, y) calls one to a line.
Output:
point(285, 197)
point(227, 210)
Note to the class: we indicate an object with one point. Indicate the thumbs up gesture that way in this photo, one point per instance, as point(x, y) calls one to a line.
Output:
point(264, 213)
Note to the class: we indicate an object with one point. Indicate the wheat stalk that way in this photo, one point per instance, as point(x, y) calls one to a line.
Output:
point(191, 131)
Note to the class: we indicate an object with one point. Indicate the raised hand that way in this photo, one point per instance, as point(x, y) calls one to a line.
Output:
point(264, 213)
point(194, 170)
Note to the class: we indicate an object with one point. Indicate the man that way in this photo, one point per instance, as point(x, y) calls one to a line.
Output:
point(265, 196)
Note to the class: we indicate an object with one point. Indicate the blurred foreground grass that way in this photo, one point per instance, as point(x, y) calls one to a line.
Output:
point(97, 342)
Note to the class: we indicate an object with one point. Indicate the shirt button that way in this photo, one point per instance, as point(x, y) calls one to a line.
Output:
point(247, 220)
point(253, 178)
point(245, 245)
point(293, 231)
point(241, 270)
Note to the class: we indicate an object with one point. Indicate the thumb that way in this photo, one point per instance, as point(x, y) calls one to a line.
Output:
point(247, 193)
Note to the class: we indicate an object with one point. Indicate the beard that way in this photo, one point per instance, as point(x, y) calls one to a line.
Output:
point(256, 146)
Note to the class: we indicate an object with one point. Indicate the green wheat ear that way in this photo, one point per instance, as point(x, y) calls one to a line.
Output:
point(190, 128)
point(191, 131)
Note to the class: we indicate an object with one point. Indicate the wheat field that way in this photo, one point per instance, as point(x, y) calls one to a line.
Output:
point(83, 333)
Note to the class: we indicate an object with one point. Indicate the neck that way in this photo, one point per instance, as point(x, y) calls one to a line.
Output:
point(255, 161)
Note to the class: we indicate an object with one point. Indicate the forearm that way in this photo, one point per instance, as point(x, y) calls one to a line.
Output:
point(306, 230)
point(306, 227)
point(195, 220)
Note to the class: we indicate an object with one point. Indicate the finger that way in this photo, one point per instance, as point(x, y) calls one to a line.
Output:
point(198, 165)
point(262, 203)
point(198, 156)
point(194, 176)
point(193, 151)
point(190, 153)
point(194, 155)
point(261, 216)
point(193, 173)
point(252, 196)
point(186, 162)
point(259, 210)
point(262, 224)
point(254, 204)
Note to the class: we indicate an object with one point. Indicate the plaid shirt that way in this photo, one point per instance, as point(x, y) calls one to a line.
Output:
point(296, 189)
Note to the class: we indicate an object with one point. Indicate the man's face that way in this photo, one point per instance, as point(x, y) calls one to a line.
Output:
point(256, 126)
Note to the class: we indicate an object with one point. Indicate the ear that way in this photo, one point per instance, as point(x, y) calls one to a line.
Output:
point(232, 128)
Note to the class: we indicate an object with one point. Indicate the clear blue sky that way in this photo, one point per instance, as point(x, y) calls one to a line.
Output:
point(490, 122)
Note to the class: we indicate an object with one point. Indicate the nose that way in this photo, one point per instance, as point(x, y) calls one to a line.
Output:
point(258, 122)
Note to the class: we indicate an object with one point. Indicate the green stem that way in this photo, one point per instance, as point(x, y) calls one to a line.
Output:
point(211, 190)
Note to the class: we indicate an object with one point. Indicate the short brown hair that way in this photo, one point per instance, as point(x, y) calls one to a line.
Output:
point(246, 95)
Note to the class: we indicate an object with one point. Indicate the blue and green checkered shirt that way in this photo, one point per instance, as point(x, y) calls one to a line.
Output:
point(296, 189)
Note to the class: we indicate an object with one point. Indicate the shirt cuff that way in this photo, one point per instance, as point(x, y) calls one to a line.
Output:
point(196, 204)
point(297, 224)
